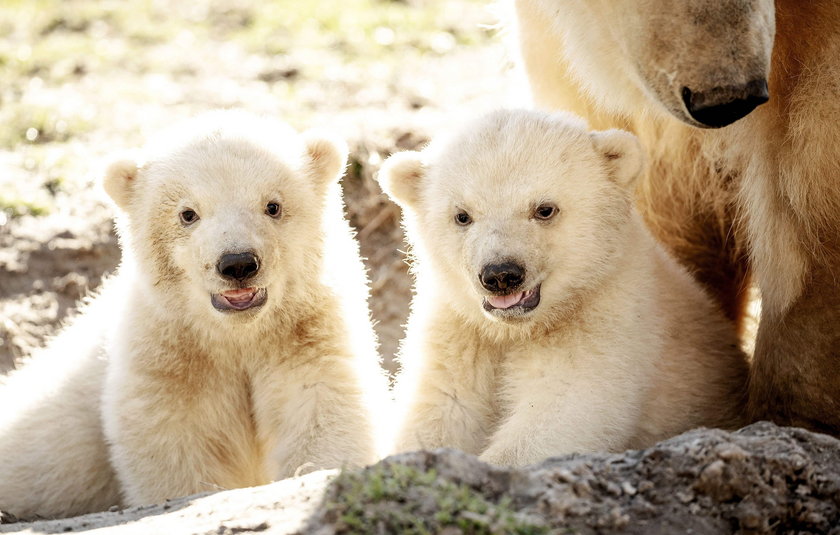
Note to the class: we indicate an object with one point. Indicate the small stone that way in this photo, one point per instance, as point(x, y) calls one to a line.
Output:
point(749, 518)
point(613, 489)
point(478, 518)
point(645, 486)
point(714, 471)
point(685, 496)
point(619, 519)
point(731, 452)
point(815, 518)
point(564, 475)
point(582, 488)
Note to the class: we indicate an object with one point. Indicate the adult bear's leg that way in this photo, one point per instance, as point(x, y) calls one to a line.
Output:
point(795, 378)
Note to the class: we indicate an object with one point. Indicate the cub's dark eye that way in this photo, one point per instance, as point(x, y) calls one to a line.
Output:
point(273, 209)
point(463, 218)
point(188, 217)
point(545, 212)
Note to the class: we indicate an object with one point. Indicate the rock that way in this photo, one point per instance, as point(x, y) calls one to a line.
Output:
point(761, 479)
point(281, 507)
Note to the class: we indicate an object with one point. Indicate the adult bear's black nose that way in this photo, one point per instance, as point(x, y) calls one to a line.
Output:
point(721, 106)
point(502, 277)
point(238, 266)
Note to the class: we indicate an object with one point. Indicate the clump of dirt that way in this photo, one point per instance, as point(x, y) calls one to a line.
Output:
point(47, 264)
point(381, 241)
point(761, 479)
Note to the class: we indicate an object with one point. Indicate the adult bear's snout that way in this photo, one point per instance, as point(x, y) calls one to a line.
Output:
point(502, 278)
point(238, 266)
point(721, 106)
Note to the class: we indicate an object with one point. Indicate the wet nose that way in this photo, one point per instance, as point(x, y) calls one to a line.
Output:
point(238, 266)
point(721, 106)
point(502, 277)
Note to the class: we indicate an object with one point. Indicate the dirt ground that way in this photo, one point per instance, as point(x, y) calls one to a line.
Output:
point(86, 78)
point(761, 479)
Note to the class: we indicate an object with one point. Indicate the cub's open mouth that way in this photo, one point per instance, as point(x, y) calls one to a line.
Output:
point(236, 300)
point(513, 304)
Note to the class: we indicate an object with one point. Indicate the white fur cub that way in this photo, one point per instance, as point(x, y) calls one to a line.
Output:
point(232, 348)
point(245, 350)
point(546, 319)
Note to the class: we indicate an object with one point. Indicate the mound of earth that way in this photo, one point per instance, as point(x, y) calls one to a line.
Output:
point(761, 479)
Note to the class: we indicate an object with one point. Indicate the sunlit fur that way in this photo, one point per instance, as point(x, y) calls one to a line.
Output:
point(196, 399)
point(54, 457)
point(624, 348)
point(758, 195)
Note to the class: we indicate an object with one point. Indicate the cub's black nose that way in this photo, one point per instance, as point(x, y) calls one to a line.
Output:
point(238, 266)
point(721, 106)
point(502, 277)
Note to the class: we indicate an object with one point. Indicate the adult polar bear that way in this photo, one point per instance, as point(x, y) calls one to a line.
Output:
point(758, 195)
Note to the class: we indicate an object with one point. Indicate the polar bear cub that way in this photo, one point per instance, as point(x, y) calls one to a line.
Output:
point(237, 346)
point(546, 319)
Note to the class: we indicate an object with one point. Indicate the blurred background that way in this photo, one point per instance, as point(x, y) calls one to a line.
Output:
point(81, 79)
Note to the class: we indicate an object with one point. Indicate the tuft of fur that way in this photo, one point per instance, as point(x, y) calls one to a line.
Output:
point(409, 166)
point(52, 445)
point(624, 348)
point(119, 181)
point(189, 398)
point(755, 196)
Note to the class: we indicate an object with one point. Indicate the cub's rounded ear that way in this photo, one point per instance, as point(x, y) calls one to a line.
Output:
point(401, 176)
point(622, 153)
point(327, 156)
point(120, 181)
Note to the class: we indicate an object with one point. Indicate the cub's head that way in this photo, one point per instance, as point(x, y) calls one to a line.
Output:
point(517, 216)
point(222, 216)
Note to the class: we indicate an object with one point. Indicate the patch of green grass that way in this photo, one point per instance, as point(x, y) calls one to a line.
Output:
point(57, 42)
point(29, 123)
point(39, 31)
point(90, 72)
point(17, 207)
point(358, 29)
point(394, 498)
point(55, 184)
point(54, 39)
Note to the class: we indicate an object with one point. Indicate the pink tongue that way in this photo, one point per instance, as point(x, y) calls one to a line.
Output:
point(239, 296)
point(505, 301)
